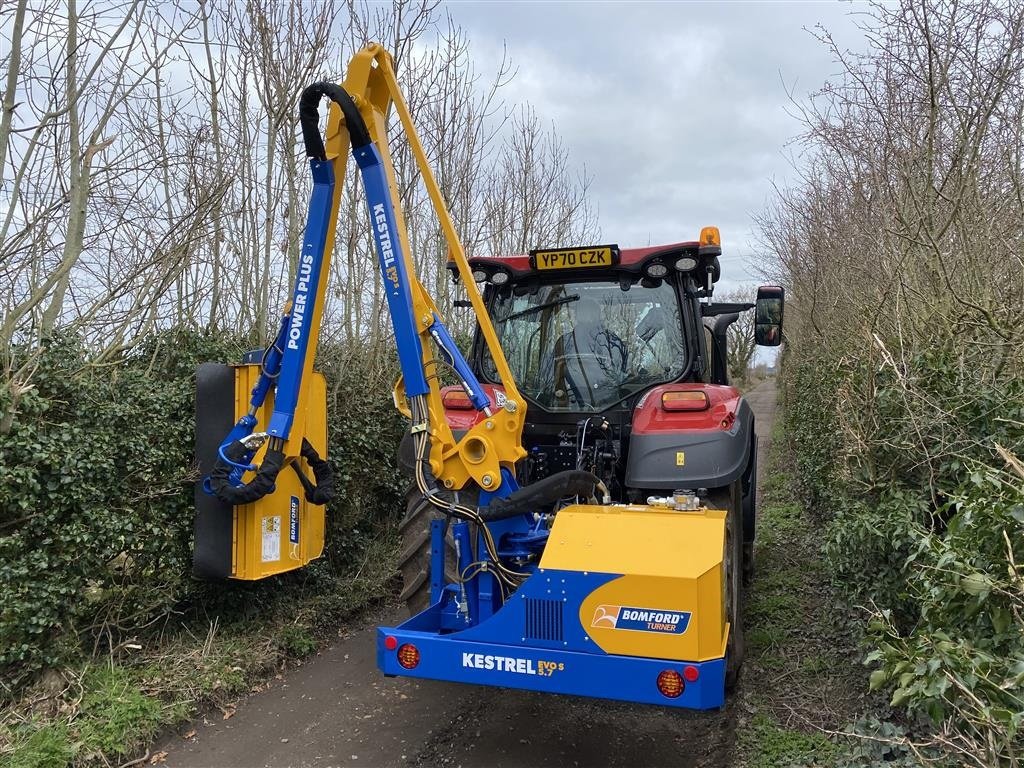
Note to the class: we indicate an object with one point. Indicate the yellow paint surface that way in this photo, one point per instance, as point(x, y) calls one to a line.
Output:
point(669, 561)
point(261, 545)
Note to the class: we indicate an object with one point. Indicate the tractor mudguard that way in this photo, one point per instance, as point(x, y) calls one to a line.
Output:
point(708, 457)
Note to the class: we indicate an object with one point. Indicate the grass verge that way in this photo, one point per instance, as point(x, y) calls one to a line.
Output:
point(105, 712)
point(802, 682)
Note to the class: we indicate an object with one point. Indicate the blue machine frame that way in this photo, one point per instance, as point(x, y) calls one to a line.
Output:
point(537, 642)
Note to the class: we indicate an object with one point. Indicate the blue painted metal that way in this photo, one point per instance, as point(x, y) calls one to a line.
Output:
point(468, 591)
point(271, 362)
point(436, 560)
point(489, 592)
point(539, 628)
point(392, 268)
point(454, 357)
point(508, 485)
point(624, 678)
point(243, 428)
point(304, 298)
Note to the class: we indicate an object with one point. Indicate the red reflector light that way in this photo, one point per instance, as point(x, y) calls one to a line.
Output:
point(691, 673)
point(409, 656)
point(390, 642)
point(690, 400)
point(457, 400)
point(670, 683)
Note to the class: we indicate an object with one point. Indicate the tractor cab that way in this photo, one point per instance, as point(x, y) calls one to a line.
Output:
point(585, 345)
point(616, 349)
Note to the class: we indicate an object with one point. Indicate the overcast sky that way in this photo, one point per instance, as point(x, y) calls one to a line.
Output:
point(679, 111)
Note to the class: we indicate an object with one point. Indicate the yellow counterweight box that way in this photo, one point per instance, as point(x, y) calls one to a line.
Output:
point(666, 562)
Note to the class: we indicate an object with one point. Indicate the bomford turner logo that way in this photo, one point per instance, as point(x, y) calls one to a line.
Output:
point(641, 619)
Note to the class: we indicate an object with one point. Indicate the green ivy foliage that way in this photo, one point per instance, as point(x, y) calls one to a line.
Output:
point(925, 521)
point(96, 484)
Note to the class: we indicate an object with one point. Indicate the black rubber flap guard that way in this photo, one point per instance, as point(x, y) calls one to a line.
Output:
point(215, 416)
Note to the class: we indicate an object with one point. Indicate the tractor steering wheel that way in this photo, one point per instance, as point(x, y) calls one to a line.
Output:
point(581, 363)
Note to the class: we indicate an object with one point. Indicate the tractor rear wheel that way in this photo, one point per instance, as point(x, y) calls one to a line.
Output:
point(414, 558)
point(731, 500)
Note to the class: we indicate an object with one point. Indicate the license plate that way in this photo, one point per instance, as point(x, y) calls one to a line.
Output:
point(575, 258)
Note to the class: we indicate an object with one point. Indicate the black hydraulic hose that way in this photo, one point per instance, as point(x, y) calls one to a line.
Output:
point(256, 488)
point(571, 482)
point(323, 491)
point(309, 118)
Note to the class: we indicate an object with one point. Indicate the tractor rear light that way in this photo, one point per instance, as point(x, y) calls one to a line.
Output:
point(687, 400)
point(671, 684)
point(655, 269)
point(409, 656)
point(457, 400)
point(686, 263)
point(691, 673)
point(390, 642)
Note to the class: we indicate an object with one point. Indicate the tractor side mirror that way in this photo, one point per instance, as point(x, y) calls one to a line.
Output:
point(768, 315)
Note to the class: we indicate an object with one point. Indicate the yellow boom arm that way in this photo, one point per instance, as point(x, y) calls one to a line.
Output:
point(496, 441)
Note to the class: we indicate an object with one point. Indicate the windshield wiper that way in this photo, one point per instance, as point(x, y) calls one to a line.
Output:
point(545, 305)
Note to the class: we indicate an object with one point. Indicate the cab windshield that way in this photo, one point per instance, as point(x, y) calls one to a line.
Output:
point(585, 346)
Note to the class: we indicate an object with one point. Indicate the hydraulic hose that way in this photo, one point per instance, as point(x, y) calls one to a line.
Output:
point(256, 488)
point(309, 118)
point(323, 491)
point(571, 482)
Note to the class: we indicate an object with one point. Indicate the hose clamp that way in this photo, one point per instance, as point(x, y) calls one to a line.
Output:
point(254, 441)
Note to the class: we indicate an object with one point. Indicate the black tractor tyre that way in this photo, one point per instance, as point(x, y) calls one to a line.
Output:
point(749, 518)
point(414, 557)
point(731, 499)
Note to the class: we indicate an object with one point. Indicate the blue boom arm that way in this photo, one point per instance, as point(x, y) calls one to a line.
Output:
point(284, 363)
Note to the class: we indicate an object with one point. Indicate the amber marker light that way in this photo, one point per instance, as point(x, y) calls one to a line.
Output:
point(710, 236)
point(687, 400)
point(409, 656)
point(670, 683)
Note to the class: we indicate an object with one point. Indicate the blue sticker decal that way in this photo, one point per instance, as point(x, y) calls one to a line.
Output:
point(293, 521)
point(641, 619)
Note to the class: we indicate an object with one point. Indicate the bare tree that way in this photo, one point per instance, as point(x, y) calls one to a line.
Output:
point(152, 176)
point(901, 246)
point(741, 347)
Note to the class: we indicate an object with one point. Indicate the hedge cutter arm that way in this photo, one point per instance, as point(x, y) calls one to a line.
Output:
point(486, 453)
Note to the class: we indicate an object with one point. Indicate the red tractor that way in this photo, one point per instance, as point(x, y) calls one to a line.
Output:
point(621, 355)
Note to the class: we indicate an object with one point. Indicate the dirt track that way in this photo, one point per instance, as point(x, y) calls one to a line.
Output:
point(337, 709)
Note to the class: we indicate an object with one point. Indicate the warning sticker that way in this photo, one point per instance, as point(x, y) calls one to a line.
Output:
point(271, 539)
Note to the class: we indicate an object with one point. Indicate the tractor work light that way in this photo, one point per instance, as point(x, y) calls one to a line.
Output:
point(480, 275)
point(671, 684)
point(457, 400)
point(687, 400)
point(686, 263)
point(409, 656)
point(500, 277)
point(655, 269)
